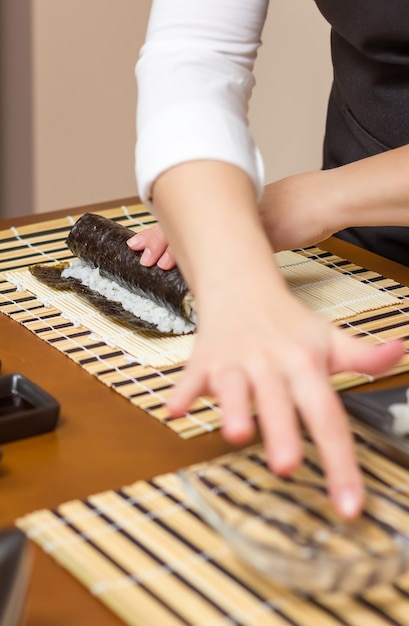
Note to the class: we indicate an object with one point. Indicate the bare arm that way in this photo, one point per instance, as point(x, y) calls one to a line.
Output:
point(307, 208)
point(258, 348)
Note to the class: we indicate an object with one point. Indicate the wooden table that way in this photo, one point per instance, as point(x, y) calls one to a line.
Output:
point(102, 442)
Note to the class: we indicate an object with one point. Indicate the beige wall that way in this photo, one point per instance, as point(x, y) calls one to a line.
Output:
point(84, 102)
point(79, 144)
point(293, 74)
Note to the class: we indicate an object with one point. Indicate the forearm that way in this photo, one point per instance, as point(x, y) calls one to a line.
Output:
point(307, 208)
point(265, 354)
point(374, 191)
point(209, 212)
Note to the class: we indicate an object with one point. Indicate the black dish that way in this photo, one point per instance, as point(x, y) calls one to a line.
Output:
point(25, 409)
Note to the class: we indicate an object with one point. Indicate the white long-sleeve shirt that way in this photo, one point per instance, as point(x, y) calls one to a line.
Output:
point(195, 77)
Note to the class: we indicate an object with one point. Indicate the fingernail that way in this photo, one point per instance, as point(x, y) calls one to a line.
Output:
point(146, 257)
point(236, 432)
point(135, 240)
point(164, 260)
point(349, 503)
point(285, 461)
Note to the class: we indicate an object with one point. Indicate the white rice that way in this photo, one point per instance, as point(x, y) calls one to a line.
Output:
point(165, 321)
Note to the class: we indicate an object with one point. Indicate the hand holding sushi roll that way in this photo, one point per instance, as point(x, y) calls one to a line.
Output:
point(258, 349)
point(155, 247)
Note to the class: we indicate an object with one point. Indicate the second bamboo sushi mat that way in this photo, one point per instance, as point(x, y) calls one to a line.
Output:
point(360, 301)
point(145, 552)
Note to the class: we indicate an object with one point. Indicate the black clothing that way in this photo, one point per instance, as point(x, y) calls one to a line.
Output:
point(368, 110)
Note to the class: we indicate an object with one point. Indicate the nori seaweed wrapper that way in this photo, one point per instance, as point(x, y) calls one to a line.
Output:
point(50, 275)
point(101, 242)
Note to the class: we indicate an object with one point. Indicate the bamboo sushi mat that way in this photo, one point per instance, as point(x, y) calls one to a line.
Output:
point(145, 552)
point(361, 302)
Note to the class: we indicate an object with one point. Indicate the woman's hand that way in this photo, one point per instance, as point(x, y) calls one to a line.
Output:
point(155, 247)
point(258, 349)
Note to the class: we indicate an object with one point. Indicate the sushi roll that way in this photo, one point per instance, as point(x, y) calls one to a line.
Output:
point(108, 274)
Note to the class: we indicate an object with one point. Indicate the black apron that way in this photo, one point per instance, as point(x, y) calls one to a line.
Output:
point(368, 110)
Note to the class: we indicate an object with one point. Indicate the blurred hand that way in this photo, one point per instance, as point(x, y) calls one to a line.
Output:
point(258, 350)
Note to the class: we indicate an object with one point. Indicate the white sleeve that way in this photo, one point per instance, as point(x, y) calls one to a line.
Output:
point(194, 76)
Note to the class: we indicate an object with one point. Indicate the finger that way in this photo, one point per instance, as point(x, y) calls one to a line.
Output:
point(350, 353)
point(278, 424)
point(147, 259)
point(145, 237)
point(167, 260)
point(137, 242)
point(326, 420)
point(153, 243)
point(190, 387)
point(232, 390)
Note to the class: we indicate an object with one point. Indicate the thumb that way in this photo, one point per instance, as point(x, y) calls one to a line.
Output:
point(353, 354)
